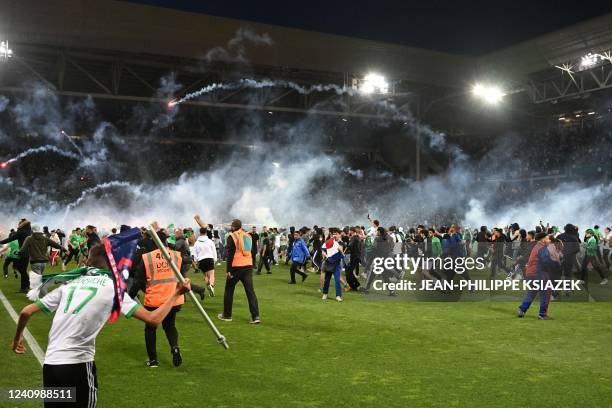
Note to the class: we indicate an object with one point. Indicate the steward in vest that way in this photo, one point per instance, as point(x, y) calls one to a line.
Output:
point(239, 269)
point(156, 279)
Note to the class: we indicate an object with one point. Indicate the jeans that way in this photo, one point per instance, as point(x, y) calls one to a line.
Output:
point(328, 276)
point(531, 294)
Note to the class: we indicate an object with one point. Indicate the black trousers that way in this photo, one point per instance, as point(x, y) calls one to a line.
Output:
point(567, 264)
point(596, 265)
point(294, 269)
point(264, 260)
point(21, 266)
point(288, 257)
point(82, 376)
point(353, 266)
point(73, 253)
point(7, 263)
point(498, 261)
point(185, 266)
point(244, 275)
point(169, 325)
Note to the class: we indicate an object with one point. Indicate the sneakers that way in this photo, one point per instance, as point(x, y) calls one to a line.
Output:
point(339, 298)
point(521, 312)
point(324, 297)
point(291, 283)
point(6, 276)
point(152, 363)
point(225, 319)
point(604, 282)
point(211, 290)
point(255, 320)
point(177, 359)
point(545, 317)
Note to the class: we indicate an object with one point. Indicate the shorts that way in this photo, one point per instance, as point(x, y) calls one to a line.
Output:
point(206, 264)
point(82, 376)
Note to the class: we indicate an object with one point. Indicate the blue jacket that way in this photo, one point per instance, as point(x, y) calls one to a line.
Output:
point(299, 252)
point(454, 245)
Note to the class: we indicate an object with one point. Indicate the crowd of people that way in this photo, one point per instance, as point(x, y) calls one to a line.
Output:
point(87, 296)
point(325, 251)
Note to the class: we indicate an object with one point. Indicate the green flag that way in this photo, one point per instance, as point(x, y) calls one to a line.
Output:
point(13, 249)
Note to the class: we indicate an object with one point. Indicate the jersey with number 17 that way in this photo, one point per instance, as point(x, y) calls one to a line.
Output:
point(82, 307)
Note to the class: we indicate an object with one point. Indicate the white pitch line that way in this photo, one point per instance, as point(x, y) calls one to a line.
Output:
point(34, 346)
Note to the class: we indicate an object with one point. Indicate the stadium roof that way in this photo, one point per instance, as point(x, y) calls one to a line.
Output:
point(142, 29)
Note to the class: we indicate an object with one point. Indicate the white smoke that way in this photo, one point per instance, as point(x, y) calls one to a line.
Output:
point(236, 49)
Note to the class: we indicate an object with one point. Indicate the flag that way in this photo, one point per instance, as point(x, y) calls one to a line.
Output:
point(120, 250)
point(13, 249)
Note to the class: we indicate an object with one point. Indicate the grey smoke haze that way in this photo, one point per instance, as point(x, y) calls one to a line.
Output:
point(4, 101)
point(309, 185)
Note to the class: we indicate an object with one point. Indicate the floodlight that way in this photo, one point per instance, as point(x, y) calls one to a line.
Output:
point(374, 83)
point(5, 51)
point(489, 93)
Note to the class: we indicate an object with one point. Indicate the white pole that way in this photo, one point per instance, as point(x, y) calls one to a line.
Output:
point(220, 338)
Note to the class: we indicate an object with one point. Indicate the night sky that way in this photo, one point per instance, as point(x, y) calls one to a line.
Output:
point(462, 27)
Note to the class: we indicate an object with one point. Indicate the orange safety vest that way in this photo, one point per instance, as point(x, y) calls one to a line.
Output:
point(242, 242)
point(161, 282)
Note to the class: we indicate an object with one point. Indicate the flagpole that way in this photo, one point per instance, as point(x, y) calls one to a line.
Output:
point(220, 338)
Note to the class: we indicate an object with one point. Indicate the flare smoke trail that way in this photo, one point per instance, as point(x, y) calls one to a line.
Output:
point(266, 83)
point(42, 149)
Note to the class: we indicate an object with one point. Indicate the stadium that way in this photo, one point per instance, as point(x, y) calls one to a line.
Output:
point(441, 186)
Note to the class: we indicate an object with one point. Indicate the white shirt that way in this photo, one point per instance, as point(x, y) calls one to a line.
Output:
point(82, 307)
point(204, 248)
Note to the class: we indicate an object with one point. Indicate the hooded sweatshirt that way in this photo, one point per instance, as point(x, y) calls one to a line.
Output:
point(204, 248)
point(36, 247)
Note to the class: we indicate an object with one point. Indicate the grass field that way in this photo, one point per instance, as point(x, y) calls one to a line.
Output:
point(362, 352)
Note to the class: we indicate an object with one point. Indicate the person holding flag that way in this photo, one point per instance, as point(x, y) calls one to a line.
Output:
point(12, 255)
point(20, 264)
point(82, 306)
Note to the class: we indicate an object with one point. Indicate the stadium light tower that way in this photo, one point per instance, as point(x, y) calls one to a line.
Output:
point(491, 94)
point(5, 51)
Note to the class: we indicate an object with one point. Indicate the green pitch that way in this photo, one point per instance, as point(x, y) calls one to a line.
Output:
point(362, 352)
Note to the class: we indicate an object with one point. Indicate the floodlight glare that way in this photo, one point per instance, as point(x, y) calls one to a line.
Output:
point(5, 51)
point(589, 60)
point(374, 83)
point(489, 93)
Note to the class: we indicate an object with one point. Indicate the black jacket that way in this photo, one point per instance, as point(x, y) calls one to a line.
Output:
point(571, 243)
point(354, 247)
point(182, 246)
point(20, 235)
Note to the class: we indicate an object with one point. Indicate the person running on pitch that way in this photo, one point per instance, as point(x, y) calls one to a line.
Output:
point(299, 255)
point(82, 306)
point(154, 276)
point(205, 254)
point(182, 247)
